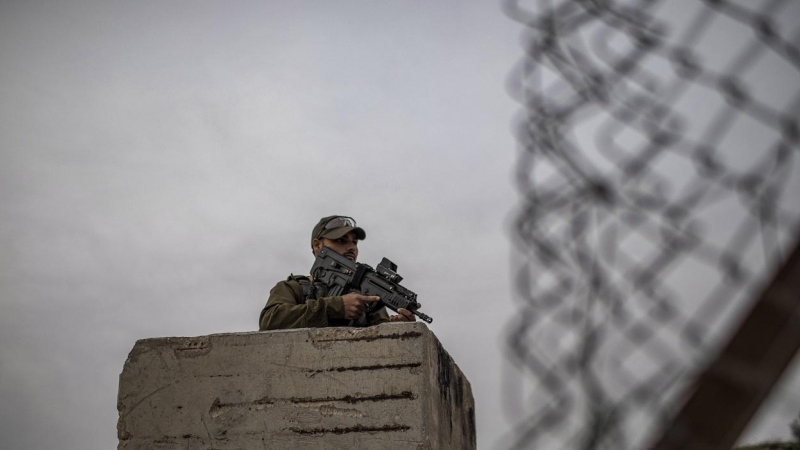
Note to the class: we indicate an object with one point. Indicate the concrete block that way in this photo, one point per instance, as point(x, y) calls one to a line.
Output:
point(387, 387)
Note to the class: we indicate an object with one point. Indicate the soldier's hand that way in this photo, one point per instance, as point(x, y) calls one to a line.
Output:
point(355, 304)
point(404, 315)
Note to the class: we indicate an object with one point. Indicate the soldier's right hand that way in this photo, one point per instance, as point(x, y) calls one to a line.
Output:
point(355, 304)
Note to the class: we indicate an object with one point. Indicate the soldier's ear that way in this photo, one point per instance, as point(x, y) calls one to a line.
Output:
point(316, 246)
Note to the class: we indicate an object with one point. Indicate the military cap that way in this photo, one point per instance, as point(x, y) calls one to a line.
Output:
point(334, 227)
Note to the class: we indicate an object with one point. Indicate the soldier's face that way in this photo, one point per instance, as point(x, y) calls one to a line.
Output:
point(346, 245)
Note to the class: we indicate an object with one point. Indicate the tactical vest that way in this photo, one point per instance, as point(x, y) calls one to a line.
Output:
point(313, 290)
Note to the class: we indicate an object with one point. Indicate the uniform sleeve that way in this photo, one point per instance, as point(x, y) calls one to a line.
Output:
point(285, 309)
point(379, 316)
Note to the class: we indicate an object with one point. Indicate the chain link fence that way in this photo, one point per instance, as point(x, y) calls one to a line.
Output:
point(660, 188)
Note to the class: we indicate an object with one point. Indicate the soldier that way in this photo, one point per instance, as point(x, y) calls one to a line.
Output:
point(300, 303)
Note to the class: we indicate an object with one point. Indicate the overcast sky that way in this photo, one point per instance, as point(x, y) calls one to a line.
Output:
point(162, 165)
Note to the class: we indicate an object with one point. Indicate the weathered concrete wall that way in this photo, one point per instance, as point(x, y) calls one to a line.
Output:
point(387, 387)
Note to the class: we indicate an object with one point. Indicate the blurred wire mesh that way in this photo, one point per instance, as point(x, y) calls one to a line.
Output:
point(660, 182)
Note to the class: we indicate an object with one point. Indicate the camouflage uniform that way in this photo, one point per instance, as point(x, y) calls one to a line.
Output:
point(287, 307)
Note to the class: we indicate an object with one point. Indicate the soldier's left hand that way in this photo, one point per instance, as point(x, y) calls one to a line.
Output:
point(404, 315)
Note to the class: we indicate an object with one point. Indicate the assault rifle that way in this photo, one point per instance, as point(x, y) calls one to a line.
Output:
point(342, 275)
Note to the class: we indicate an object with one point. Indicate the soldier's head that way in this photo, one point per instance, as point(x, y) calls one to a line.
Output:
point(338, 233)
